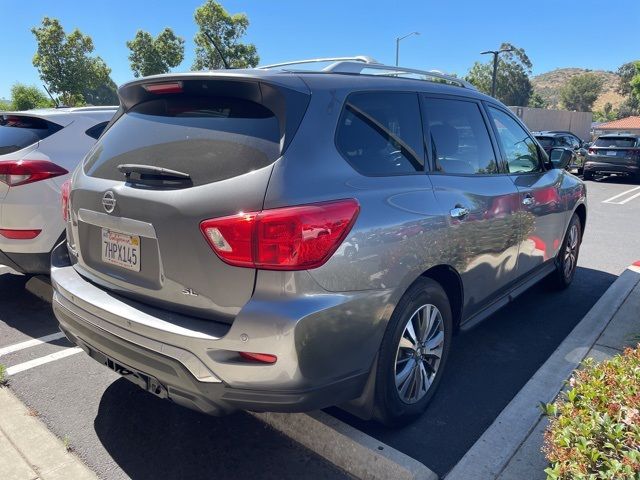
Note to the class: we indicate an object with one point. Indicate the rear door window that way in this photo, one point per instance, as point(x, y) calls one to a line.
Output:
point(210, 138)
point(381, 133)
point(458, 137)
point(20, 131)
point(96, 130)
point(616, 142)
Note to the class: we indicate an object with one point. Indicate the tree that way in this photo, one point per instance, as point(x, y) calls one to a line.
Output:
point(606, 114)
point(226, 30)
point(579, 93)
point(104, 94)
point(626, 72)
point(635, 82)
point(64, 61)
point(150, 56)
point(513, 86)
point(537, 101)
point(26, 97)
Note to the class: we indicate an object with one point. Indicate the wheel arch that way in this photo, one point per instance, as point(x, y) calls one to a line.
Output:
point(581, 212)
point(449, 278)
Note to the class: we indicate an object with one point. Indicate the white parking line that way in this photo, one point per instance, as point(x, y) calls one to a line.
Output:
point(629, 199)
point(30, 343)
point(36, 362)
point(610, 200)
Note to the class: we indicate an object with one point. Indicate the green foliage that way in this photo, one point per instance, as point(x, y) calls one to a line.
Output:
point(635, 82)
point(226, 30)
point(579, 93)
point(537, 101)
point(626, 72)
point(104, 94)
point(151, 56)
point(5, 106)
point(3, 375)
point(26, 97)
point(594, 432)
point(605, 115)
point(513, 86)
point(64, 62)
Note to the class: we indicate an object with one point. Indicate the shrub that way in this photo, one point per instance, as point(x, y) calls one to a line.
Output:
point(594, 431)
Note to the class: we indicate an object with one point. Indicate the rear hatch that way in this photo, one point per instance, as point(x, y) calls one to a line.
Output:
point(618, 150)
point(19, 135)
point(182, 150)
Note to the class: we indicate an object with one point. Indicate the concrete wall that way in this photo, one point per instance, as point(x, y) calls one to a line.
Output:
point(538, 119)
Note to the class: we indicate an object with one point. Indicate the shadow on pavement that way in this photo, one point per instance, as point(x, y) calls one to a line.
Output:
point(487, 367)
point(617, 180)
point(150, 438)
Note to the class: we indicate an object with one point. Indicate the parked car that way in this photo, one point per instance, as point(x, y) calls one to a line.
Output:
point(38, 149)
point(559, 138)
point(206, 256)
point(613, 154)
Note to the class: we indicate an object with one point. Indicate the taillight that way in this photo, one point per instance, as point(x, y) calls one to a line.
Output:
point(289, 238)
point(165, 87)
point(65, 190)
point(592, 151)
point(21, 172)
point(19, 234)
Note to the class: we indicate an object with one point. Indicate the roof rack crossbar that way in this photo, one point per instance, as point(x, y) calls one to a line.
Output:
point(360, 58)
point(353, 67)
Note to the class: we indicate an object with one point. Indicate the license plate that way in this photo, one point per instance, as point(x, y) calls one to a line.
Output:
point(612, 153)
point(121, 249)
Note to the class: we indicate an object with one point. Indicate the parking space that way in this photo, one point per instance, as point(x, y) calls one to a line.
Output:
point(121, 431)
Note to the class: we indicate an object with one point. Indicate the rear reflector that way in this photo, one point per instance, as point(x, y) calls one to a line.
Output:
point(289, 238)
point(259, 357)
point(21, 172)
point(160, 88)
point(65, 190)
point(19, 234)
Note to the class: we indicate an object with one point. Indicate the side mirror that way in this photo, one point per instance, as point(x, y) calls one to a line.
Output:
point(560, 157)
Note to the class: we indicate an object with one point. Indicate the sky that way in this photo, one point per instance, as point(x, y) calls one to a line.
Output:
point(554, 33)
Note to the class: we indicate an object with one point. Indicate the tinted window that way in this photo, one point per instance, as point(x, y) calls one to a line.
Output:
point(96, 130)
point(210, 138)
point(18, 132)
point(381, 133)
point(459, 139)
point(616, 142)
point(545, 141)
point(519, 148)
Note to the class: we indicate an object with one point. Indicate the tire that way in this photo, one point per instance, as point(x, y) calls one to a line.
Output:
point(396, 406)
point(587, 175)
point(567, 259)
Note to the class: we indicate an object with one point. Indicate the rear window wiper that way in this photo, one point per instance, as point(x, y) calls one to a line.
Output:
point(152, 171)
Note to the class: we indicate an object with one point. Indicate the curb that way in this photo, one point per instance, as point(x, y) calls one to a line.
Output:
point(40, 286)
point(491, 453)
point(31, 447)
point(347, 448)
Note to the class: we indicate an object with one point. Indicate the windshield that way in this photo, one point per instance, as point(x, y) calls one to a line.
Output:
point(18, 132)
point(545, 141)
point(616, 142)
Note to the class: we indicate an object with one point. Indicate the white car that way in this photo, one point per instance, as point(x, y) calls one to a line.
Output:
point(38, 150)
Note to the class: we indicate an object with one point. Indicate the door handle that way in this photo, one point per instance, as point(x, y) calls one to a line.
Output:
point(528, 200)
point(459, 212)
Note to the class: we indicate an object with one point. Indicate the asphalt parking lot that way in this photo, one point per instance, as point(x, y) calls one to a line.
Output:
point(121, 431)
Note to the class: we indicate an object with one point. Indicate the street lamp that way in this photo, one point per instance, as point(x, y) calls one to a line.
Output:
point(495, 54)
point(398, 44)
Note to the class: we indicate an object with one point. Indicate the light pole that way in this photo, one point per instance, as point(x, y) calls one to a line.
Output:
point(398, 44)
point(495, 54)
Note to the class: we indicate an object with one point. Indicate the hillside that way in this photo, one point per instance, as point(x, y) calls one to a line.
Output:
point(549, 85)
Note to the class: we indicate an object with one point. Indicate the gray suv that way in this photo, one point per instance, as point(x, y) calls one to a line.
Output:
point(276, 239)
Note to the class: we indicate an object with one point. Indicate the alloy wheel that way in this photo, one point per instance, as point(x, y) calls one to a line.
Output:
point(571, 252)
point(419, 353)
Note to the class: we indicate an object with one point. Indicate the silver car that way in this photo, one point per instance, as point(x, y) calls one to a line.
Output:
point(276, 239)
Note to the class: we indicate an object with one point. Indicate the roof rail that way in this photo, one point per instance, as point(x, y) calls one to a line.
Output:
point(392, 71)
point(358, 58)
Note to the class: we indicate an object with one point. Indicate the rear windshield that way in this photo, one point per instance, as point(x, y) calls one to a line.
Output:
point(19, 131)
point(210, 138)
point(616, 142)
point(545, 141)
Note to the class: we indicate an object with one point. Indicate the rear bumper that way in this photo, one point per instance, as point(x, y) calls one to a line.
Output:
point(32, 263)
point(606, 167)
point(195, 361)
